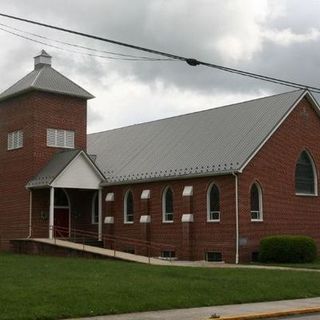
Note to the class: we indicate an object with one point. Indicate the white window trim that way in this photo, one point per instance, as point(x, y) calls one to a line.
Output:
point(315, 177)
point(93, 208)
point(260, 219)
point(164, 213)
point(208, 205)
point(15, 140)
point(306, 194)
point(55, 144)
point(125, 216)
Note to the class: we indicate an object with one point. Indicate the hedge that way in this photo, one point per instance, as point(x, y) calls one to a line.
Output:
point(287, 248)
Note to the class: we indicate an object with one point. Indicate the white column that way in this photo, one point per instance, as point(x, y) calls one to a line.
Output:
point(51, 213)
point(100, 214)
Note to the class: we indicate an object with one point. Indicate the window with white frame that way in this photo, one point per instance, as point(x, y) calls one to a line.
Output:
point(167, 205)
point(60, 138)
point(128, 207)
point(305, 175)
point(213, 204)
point(95, 209)
point(256, 202)
point(15, 140)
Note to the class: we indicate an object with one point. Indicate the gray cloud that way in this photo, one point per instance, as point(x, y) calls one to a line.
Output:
point(276, 38)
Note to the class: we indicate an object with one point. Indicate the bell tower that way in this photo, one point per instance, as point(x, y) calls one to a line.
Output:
point(41, 114)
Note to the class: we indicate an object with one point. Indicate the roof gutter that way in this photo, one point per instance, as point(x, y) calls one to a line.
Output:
point(163, 178)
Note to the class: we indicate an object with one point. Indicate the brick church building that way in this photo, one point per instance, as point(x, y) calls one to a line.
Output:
point(209, 184)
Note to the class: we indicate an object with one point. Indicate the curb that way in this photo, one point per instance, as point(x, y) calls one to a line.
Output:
point(272, 314)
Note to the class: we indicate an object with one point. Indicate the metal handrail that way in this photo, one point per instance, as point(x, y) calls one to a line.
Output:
point(94, 235)
point(60, 232)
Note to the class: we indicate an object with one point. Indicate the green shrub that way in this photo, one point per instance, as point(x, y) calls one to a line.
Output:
point(287, 248)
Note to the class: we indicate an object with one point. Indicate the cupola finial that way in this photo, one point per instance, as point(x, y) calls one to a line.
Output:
point(42, 59)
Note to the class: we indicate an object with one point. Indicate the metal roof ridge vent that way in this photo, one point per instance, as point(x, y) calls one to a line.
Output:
point(43, 59)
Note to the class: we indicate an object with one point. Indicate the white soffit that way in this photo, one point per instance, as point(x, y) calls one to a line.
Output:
point(79, 174)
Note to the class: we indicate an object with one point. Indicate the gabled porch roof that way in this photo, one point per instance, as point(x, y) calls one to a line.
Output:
point(68, 169)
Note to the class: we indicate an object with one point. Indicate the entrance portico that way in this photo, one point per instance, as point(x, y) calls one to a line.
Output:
point(69, 171)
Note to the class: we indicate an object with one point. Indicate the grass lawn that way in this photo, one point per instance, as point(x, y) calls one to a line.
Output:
point(34, 287)
point(311, 265)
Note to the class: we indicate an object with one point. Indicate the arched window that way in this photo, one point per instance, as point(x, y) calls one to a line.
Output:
point(128, 207)
point(60, 199)
point(95, 209)
point(167, 205)
point(305, 177)
point(256, 202)
point(213, 203)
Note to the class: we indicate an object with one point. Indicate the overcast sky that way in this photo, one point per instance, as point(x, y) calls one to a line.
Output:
point(279, 38)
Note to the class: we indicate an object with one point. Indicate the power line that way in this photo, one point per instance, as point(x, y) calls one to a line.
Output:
point(137, 58)
point(190, 61)
point(77, 52)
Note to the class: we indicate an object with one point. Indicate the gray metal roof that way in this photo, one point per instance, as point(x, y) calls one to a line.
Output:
point(45, 78)
point(214, 141)
point(52, 169)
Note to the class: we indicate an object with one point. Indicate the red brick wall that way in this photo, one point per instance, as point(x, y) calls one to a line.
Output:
point(33, 113)
point(273, 167)
point(206, 236)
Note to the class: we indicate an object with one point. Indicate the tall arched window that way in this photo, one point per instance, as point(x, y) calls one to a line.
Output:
point(167, 205)
point(128, 207)
point(305, 176)
point(213, 204)
point(256, 202)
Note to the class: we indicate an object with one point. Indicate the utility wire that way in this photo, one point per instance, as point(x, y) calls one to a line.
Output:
point(143, 58)
point(190, 61)
point(77, 52)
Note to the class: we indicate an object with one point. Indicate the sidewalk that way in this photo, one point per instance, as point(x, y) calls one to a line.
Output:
point(222, 311)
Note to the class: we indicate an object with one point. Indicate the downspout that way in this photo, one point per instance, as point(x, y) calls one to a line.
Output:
point(100, 214)
point(30, 214)
point(237, 215)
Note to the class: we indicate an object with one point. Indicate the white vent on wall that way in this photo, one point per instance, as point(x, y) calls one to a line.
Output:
point(60, 138)
point(15, 140)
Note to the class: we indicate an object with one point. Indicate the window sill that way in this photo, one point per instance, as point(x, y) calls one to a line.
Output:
point(13, 149)
point(128, 222)
point(213, 221)
point(256, 220)
point(306, 194)
point(61, 147)
point(163, 221)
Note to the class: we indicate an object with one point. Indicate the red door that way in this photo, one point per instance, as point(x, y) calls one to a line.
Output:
point(61, 221)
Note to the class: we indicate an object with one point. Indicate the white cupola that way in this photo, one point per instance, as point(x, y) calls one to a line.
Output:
point(42, 59)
